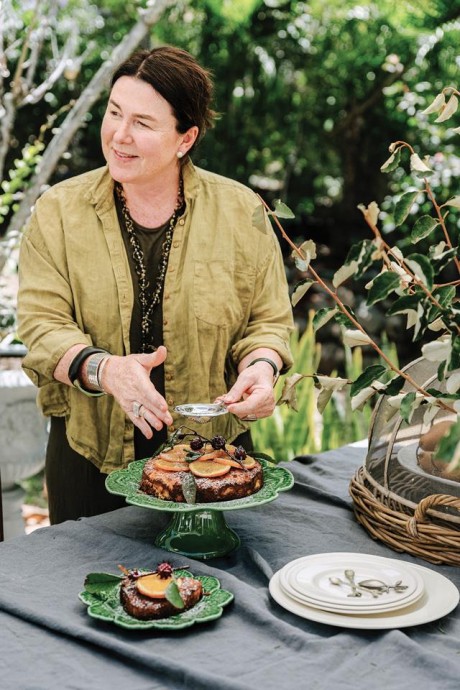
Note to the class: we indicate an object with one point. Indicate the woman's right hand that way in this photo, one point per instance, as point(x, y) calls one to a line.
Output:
point(128, 380)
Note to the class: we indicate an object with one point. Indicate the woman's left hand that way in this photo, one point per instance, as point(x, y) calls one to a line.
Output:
point(251, 397)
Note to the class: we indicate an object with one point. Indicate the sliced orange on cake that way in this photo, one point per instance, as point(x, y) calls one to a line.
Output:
point(208, 468)
point(171, 466)
point(153, 586)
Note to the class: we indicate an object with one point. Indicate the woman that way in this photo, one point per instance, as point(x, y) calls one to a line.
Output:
point(146, 284)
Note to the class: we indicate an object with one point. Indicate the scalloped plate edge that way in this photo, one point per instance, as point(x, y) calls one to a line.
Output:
point(123, 619)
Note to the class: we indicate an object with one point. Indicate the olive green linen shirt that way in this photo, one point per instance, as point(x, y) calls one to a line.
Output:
point(225, 295)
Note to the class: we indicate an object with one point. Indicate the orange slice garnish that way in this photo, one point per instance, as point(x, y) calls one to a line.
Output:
point(208, 468)
point(167, 466)
point(249, 462)
point(223, 459)
point(175, 454)
point(209, 456)
point(153, 586)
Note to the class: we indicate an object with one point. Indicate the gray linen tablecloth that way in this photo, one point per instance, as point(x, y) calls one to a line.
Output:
point(48, 642)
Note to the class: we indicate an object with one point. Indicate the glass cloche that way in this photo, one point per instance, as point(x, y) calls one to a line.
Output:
point(400, 466)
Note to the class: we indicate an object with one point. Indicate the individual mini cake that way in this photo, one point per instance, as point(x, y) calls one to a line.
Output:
point(158, 594)
point(201, 471)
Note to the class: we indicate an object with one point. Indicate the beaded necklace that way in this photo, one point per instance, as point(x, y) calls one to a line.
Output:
point(149, 299)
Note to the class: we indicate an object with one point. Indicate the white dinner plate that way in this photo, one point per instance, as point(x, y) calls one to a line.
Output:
point(309, 578)
point(373, 605)
point(440, 597)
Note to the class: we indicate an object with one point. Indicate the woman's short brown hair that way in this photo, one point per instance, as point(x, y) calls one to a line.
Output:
point(177, 76)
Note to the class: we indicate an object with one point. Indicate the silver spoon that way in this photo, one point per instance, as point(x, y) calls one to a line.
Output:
point(350, 575)
point(339, 582)
point(380, 586)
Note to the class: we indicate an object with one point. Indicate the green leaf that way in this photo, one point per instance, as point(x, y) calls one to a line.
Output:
point(382, 285)
point(342, 318)
point(343, 273)
point(444, 295)
point(442, 370)
point(392, 163)
point(300, 290)
point(421, 266)
point(406, 408)
point(423, 227)
point(454, 361)
point(172, 594)
point(369, 375)
point(363, 254)
point(322, 316)
point(404, 305)
point(395, 385)
point(403, 206)
point(188, 484)
point(448, 447)
point(441, 259)
point(97, 583)
point(281, 210)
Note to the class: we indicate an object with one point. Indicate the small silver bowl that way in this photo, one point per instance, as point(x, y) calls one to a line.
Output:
point(201, 412)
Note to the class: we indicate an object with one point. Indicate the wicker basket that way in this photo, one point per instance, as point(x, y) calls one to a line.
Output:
point(426, 530)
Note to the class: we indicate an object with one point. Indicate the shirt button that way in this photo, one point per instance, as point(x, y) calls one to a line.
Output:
point(166, 296)
point(169, 377)
point(176, 244)
point(170, 401)
point(165, 322)
point(172, 427)
point(171, 269)
point(182, 221)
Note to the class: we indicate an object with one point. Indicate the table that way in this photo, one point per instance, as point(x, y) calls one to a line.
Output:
point(48, 642)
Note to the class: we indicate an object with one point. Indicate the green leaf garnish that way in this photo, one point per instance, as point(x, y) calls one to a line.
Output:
point(172, 594)
point(96, 583)
point(189, 487)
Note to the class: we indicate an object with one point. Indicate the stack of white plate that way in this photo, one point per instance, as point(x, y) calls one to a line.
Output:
point(317, 588)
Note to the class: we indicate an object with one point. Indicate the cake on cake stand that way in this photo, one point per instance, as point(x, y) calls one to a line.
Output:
point(198, 530)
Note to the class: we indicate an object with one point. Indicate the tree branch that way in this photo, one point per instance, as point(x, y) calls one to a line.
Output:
point(74, 119)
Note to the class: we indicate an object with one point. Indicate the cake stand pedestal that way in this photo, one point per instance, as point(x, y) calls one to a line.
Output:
point(198, 530)
point(201, 534)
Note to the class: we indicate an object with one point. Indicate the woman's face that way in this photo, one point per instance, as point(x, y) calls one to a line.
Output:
point(139, 137)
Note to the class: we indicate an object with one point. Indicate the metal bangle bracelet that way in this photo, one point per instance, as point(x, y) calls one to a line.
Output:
point(92, 368)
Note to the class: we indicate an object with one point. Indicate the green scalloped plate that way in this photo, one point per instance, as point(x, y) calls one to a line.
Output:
point(126, 482)
point(106, 606)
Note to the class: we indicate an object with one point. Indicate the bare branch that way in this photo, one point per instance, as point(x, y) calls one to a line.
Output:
point(75, 118)
point(37, 94)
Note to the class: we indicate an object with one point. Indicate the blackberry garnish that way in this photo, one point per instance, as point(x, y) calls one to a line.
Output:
point(164, 570)
point(196, 443)
point(239, 454)
point(218, 442)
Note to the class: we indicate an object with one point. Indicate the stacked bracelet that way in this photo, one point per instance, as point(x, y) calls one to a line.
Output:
point(75, 366)
point(276, 371)
point(92, 369)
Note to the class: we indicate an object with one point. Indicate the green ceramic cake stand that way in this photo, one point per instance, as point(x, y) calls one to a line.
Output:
point(198, 530)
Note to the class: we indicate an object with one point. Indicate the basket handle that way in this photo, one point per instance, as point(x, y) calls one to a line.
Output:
point(421, 512)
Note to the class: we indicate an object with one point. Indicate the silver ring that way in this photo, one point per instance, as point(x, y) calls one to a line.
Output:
point(250, 418)
point(137, 408)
